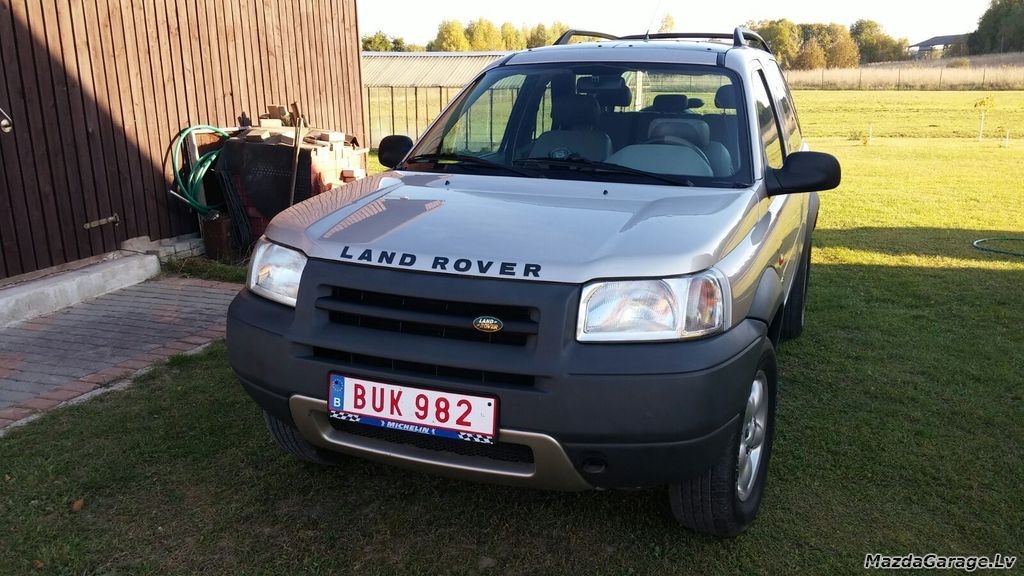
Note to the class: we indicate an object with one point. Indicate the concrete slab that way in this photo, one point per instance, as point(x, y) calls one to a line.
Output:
point(45, 295)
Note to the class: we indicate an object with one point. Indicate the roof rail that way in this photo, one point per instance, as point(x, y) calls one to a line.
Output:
point(570, 34)
point(740, 37)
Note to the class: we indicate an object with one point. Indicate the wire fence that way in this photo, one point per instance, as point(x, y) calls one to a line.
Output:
point(402, 110)
point(910, 78)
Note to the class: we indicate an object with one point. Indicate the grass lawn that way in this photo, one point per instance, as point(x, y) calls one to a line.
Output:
point(373, 165)
point(910, 114)
point(208, 269)
point(899, 429)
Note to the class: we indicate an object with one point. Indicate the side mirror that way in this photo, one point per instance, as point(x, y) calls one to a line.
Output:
point(393, 149)
point(804, 172)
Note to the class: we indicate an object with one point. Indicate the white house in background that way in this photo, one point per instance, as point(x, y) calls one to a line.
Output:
point(935, 46)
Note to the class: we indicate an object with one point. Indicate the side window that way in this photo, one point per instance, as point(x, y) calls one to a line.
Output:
point(785, 106)
point(769, 128)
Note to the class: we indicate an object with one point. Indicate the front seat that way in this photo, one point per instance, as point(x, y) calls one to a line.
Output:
point(728, 124)
point(574, 122)
point(698, 133)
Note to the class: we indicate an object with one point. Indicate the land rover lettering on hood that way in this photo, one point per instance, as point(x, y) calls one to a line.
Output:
point(577, 278)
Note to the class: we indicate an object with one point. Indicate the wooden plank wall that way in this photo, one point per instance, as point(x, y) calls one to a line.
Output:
point(98, 89)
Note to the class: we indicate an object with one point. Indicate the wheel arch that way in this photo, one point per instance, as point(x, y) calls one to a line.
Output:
point(768, 304)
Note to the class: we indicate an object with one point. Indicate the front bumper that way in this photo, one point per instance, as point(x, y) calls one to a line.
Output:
point(551, 468)
point(594, 415)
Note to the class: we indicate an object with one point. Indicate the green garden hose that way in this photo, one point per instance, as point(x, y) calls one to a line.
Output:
point(980, 245)
point(188, 190)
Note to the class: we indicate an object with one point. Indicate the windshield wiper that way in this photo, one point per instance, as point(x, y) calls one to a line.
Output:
point(447, 158)
point(579, 161)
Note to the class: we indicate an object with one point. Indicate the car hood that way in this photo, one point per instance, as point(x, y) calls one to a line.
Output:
point(519, 228)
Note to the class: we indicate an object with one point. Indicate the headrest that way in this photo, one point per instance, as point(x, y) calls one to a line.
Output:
point(618, 97)
point(669, 103)
point(575, 110)
point(725, 97)
point(695, 131)
point(610, 91)
point(693, 103)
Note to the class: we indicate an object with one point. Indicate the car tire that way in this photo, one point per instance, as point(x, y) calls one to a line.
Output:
point(716, 502)
point(289, 440)
point(795, 313)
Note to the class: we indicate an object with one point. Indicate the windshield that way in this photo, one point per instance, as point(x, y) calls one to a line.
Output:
point(658, 124)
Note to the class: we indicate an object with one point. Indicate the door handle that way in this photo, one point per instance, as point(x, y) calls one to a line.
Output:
point(6, 124)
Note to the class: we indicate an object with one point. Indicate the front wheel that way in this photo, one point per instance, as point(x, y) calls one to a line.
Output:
point(289, 440)
point(724, 500)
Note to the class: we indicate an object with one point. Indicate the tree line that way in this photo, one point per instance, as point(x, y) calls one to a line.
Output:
point(797, 46)
point(481, 35)
point(813, 46)
point(1000, 29)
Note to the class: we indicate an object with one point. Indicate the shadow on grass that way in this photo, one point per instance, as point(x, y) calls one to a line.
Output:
point(938, 242)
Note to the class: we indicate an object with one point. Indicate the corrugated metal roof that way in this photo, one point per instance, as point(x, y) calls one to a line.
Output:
point(424, 68)
point(941, 41)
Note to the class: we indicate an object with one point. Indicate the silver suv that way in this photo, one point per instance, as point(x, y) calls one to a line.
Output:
point(576, 279)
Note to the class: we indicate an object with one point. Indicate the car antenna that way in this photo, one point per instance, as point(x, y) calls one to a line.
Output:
point(650, 23)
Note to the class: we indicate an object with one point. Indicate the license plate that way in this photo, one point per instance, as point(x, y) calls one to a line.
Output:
point(431, 412)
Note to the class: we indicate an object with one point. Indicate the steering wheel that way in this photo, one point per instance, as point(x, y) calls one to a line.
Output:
point(675, 141)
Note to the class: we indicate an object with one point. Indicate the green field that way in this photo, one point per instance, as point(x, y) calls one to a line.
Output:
point(910, 114)
point(899, 429)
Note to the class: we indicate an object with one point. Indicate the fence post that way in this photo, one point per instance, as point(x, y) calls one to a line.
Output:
point(984, 72)
point(899, 79)
point(369, 117)
point(393, 127)
point(941, 70)
point(860, 80)
point(416, 100)
point(822, 85)
point(405, 97)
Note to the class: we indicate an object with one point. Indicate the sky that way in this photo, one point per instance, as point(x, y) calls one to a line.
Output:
point(915, 20)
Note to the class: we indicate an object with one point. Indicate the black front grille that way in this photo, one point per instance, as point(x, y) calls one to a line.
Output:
point(406, 368)
point(503, 451)
point(428, 317)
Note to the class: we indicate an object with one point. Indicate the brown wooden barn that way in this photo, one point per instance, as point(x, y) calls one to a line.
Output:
point(96, 91)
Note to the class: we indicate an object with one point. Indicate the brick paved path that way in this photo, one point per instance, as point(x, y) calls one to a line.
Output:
point(57, 357)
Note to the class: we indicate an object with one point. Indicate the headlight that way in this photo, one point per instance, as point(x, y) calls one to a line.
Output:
point(275, 272)
point(652, 310)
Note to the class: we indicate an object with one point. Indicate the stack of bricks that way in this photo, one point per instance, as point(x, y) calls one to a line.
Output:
point(335, 162)
point(335, 159)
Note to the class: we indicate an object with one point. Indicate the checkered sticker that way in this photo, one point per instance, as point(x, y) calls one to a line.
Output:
point(470, 437)
point(346, 416)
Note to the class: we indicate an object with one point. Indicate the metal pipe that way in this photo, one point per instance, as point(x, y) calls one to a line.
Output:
point(6, 124)
point(297, 147)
